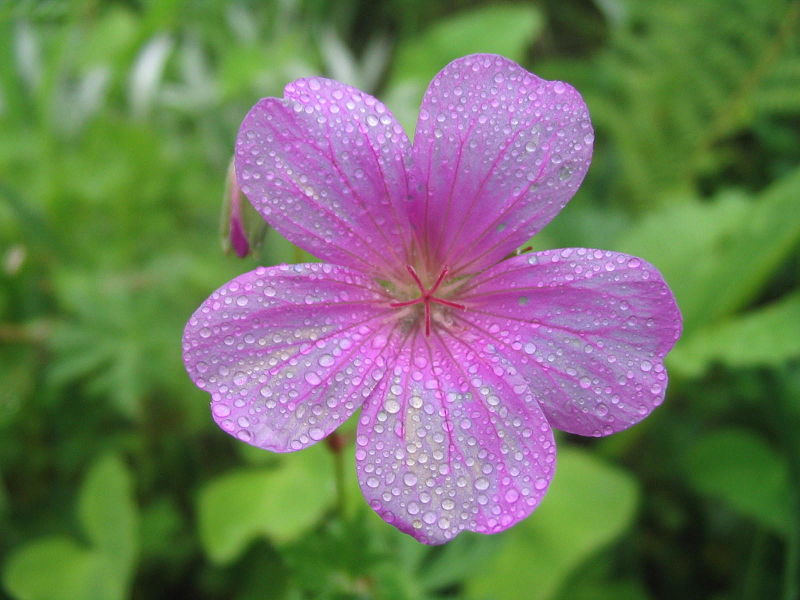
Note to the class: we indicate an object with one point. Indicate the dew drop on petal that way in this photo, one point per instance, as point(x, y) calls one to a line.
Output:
point(220, 410)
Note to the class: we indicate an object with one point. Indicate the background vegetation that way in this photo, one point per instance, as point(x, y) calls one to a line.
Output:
point(116, 126)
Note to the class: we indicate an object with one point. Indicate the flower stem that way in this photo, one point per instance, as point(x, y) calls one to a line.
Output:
point(336, 442)
point(787, 413)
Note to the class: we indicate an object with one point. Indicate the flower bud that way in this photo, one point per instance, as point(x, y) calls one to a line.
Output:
point(233, 228)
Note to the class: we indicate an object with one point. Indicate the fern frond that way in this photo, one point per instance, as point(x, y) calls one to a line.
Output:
point(682, 78)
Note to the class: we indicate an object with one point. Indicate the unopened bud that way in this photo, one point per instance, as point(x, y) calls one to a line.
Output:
point(236, 236)
point(235, 207)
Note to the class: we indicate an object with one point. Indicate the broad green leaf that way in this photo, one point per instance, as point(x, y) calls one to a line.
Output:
point(739, 468)
point(107, 510)
point(589, 504)
point(766, 336)
point(499, 29)
point(279, 503)
point(457, 559)
point(767, 235)
point(687, 241)
point(605, 590)
point(506, 29)
point(54, 568)
point(716, 256)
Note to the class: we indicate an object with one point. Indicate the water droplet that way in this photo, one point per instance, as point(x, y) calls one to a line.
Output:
point(410, 479)
point(313, 378)
point(220, 410)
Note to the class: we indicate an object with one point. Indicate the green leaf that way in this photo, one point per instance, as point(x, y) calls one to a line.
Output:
point(716, 256)
point(499, 29)
point(506, 29)
point(589, 504)
point(55, 568)
point(279, 503)
point(457, 559)
point(767, 336)
point(107, 510)
point(739, 468)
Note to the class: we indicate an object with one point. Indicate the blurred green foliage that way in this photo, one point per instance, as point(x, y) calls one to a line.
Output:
point(117, 123)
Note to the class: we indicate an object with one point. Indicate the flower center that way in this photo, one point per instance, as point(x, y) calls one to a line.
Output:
point(427, 296)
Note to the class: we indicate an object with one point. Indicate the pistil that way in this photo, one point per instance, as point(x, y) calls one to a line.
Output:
point(427, 296)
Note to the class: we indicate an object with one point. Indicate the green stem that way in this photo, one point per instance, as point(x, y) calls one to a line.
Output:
point(750, 584)
point(335, 443)
point(788, 424)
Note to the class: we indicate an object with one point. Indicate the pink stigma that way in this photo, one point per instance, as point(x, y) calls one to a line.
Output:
point(427, 296)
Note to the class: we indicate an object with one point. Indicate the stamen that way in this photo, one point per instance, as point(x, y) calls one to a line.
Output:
point(409, 303)
point(438, 281)
point(413, 272)
point(427, 296)
point(448, 303)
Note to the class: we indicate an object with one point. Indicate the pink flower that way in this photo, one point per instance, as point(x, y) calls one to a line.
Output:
point(461, 360)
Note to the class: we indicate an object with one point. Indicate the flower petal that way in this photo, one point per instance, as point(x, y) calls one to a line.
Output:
point(588, 329)
point(449, 442)
point(326, 167)
point(500, 152)
point(285, 352)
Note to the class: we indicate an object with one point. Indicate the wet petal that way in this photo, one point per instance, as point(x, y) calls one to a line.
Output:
point(501, 151)
point(450, 441)
point(287, 353)
point(587, 328)
point(325, 166)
